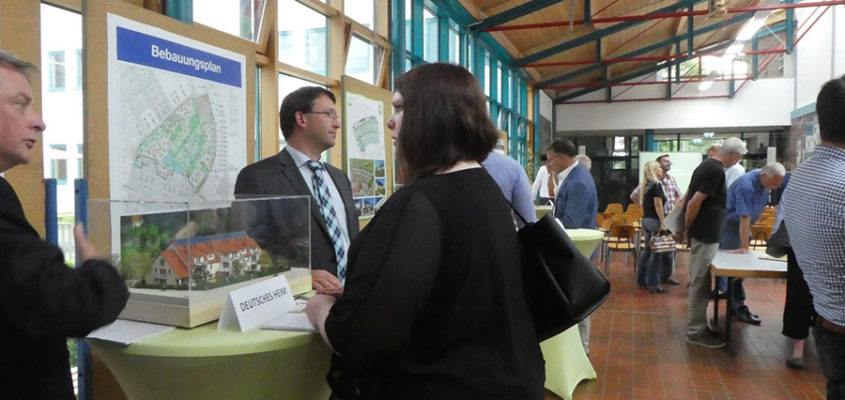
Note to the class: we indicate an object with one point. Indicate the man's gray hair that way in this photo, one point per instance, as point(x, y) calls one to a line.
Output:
point(584, 160)
point(9, 59)
point(773, 169)
point(733, 145)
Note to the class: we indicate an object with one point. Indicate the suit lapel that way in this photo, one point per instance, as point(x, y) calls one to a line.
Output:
point(292, 174)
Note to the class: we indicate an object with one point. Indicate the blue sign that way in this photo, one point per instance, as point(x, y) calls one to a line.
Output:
point(143, 49)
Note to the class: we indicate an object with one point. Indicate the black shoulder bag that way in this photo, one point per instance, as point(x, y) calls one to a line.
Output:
point(562, 286)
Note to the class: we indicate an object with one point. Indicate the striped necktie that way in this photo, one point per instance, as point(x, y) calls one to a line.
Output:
point(321, 192)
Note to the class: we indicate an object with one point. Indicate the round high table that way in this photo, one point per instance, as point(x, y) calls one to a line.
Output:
point(204, 363)
point(566, 362)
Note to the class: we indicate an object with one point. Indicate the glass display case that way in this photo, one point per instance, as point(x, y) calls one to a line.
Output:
point(181, 259)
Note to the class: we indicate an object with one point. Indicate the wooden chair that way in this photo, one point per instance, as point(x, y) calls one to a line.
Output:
point(635, 214)
point(613, 209)
point(621, 237)
point(634, 206)
point(759, 237)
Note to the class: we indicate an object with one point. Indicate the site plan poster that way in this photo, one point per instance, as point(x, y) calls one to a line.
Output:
point(365, 152)
point(177, 115)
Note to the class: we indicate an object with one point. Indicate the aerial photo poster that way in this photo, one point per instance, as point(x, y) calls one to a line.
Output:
point(366, 152)
point(177, 115)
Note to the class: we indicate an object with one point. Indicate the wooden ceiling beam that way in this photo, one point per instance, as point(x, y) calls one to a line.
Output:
point(512, 14)
point(647, 70)
point(600, 33)
point(650, 48)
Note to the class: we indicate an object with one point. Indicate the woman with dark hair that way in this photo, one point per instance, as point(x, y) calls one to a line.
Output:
point(433, 305)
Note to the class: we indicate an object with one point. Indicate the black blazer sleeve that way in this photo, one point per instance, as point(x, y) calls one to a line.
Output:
point(42, 296)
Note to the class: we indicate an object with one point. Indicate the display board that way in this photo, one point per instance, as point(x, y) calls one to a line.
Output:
point(683, 163)
point(168, 106)
point(368, 149)
point(804, 135)
point(177, 116)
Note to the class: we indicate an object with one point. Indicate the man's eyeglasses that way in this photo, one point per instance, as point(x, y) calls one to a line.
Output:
point(330, 114)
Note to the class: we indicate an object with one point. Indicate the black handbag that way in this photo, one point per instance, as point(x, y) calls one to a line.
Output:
point(562, 286)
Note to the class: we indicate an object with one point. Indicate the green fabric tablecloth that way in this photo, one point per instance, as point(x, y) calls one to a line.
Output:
point(204, 363)
point(566, 362)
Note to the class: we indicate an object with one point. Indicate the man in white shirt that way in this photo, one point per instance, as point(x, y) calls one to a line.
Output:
point(545, 184)
point(732, 173)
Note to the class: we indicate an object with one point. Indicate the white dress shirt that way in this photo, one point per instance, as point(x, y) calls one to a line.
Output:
point(563, 174)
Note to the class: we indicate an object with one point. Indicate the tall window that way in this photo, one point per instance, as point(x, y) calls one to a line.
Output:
point(454, 47)
point(303, 37)
point(487, 75)
point(430, 37)
point(235, 17)
point(79, 68)
point(362, 60)
point(499, 83)
point(362, 11)
point(61, 60)
point(58, 163)
point(57, 70)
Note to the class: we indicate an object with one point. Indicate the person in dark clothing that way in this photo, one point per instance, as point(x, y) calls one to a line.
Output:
point(431, 309)
point(703, 216)
point(651, 265)
point(798, 312)
point(42, 301)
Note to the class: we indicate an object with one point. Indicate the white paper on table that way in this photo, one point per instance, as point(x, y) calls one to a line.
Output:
point(126, 332)
point(293, 321)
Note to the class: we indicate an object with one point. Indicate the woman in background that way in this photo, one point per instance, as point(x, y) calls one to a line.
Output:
point(653, 222)
point(433, 306)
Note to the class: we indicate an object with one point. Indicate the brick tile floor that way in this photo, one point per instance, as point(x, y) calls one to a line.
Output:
point(638, 349)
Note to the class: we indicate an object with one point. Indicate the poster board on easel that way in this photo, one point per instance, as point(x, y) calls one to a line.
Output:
point(367, 146)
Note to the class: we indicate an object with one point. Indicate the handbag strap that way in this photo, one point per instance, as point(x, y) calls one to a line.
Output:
point(524, 222)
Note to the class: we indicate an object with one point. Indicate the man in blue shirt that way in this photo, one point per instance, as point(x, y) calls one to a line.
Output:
point(747, 197)
point(513, 181)
point(814, 210)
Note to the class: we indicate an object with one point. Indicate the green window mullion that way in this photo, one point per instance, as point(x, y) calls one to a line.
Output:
point(398, 32)
point(443, 48)
point(478, 60)
point(417, 32)
point(494, 81)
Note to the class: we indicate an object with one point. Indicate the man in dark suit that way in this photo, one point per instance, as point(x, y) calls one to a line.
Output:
point(309, 123)
point(42, 301)
point(576, 201)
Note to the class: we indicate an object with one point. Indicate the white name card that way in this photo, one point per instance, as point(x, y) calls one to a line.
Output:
point(256, 304)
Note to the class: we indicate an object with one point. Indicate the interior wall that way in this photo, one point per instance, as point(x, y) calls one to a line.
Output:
point(766, 102)
point(546, 106)
point(820, 55)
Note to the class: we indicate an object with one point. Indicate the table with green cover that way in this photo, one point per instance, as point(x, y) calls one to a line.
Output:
point(204, 363)
point(566, 362)
point(542, 210)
